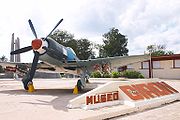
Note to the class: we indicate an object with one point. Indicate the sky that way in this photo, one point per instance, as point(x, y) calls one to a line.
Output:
point(144, 22)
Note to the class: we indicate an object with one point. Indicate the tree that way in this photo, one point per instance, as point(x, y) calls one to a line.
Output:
point(62, 37)
point(158, 50)
point(102, 52)
point(82, 47)
point(3, 59)
point(114, 44)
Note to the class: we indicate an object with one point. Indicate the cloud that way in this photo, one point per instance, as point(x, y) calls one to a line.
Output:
point(151, 22)
point(144, 22)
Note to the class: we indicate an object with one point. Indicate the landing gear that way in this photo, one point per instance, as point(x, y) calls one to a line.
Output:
point(28, 85)
point(78, 87)
point(81, 83)
point(25, 84)
point(87, 78)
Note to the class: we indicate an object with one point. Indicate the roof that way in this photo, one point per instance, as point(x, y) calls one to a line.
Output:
point(166, 57)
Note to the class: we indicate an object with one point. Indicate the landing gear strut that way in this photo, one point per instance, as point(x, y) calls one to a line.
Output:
point(28, 85)
point(81, 83)
point(78, 87)
point(25, 83)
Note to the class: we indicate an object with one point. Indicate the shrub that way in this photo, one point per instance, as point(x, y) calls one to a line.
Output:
point(140, 76)
point(121, 74)
point(96, 74)
point(128, 74)
point(106, 75)
point(132, 74)
point(115, 74)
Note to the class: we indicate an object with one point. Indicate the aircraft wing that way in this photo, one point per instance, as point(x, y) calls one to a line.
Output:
point(74, 65)
point(115, 61)
point(13, 64)
point(24, 67)
point(41, 67)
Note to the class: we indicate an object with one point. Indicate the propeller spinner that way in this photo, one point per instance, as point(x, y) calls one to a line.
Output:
point(36, 44)
point(39, 46)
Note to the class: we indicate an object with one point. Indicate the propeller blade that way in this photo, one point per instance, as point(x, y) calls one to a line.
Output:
point(32, 28)
point(28, 78)
point(22, 50)
point(54, 28)
point(34, 65)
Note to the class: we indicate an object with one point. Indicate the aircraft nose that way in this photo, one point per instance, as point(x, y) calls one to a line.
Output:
point(36, 44)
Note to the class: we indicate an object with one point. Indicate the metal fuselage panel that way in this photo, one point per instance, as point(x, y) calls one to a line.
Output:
point(59, 66)
point(59, 57)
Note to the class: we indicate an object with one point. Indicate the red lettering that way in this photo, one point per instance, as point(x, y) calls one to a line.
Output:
point(158, 89)
point(103, 98)
point(153, 89)
point(96, 99)
point(89, 99)
point(141, 90)
point(115, 96)
point(163, 88)
point(100, 98)
point(169, 87)
point(109, 97)
point(147, 91)
point(134, 92)
point(131, 92)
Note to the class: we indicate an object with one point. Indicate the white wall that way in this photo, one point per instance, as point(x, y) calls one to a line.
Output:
point(166, 70)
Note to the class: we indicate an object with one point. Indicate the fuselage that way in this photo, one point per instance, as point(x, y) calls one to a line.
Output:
point(59, 56)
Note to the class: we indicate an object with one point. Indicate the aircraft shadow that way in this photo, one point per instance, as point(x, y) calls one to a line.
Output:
point(59, 103)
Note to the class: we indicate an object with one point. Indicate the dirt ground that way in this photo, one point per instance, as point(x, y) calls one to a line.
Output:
point(51, 97)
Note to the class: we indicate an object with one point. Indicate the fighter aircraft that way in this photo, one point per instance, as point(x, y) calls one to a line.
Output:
point(58, 58)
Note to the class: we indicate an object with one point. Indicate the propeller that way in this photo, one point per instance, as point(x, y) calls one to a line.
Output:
point(32, 28)
point(27, 79)
point(54, 28)
point(22, 50)
point(36, 45)
point(26, 49)
point(34, 65)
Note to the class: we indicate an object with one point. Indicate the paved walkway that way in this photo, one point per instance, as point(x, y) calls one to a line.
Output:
point(165, 112)
point(50, 100)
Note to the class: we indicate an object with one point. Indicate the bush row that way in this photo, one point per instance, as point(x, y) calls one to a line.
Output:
point(127, 74)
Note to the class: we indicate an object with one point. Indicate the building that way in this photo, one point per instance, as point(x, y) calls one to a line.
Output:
point(165, 67)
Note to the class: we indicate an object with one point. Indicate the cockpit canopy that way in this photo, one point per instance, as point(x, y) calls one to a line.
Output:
point(71, 55)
